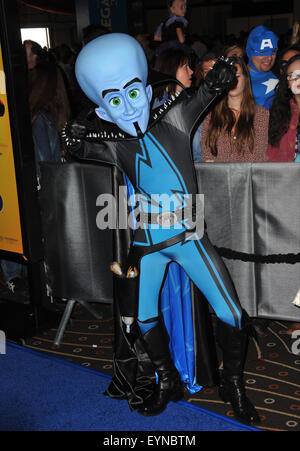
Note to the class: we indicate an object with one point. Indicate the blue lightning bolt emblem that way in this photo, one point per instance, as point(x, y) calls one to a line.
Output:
point(156, 172)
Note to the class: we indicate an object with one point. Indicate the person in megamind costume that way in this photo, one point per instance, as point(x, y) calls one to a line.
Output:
point(153, 150)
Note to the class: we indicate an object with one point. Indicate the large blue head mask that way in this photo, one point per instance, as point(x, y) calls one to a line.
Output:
point(112, 71)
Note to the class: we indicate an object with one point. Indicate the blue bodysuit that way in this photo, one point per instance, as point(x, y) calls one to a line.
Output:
point(156, 162)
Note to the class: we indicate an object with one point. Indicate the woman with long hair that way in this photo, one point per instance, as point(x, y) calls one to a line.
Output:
point(237, 128)
point(284, 128)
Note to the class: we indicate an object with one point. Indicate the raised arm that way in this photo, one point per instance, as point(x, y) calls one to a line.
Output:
point(220, 79)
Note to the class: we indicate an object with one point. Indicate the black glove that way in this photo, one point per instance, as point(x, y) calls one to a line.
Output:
point(222, 76)
point(77, 129)
point(73, 133)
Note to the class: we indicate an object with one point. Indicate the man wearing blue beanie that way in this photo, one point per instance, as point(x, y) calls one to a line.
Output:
point(261, 50)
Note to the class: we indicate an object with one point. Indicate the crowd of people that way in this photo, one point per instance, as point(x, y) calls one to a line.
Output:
point(257, 121)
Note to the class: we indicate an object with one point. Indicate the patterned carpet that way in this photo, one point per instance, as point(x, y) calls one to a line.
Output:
point(271, 374)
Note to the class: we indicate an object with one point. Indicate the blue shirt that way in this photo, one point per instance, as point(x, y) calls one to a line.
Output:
point(263, 86)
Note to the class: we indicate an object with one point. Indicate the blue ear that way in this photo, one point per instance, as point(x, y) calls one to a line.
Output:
point(149, 92)
point(103, 114)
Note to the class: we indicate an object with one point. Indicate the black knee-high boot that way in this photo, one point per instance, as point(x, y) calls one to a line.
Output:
point(169, 386)
point(234, 342)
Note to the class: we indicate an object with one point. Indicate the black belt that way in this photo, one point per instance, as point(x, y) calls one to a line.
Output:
point(137, 252)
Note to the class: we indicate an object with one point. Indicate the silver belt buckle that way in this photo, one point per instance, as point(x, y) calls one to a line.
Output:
point(166, 219)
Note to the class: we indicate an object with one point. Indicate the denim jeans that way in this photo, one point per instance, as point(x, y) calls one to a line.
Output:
point(46, 139)
point(12, 269)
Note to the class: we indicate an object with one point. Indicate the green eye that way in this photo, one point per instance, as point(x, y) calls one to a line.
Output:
point(134, 93)
point(115, 101)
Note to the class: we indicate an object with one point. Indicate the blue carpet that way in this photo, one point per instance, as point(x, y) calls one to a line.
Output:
point(43, 393)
